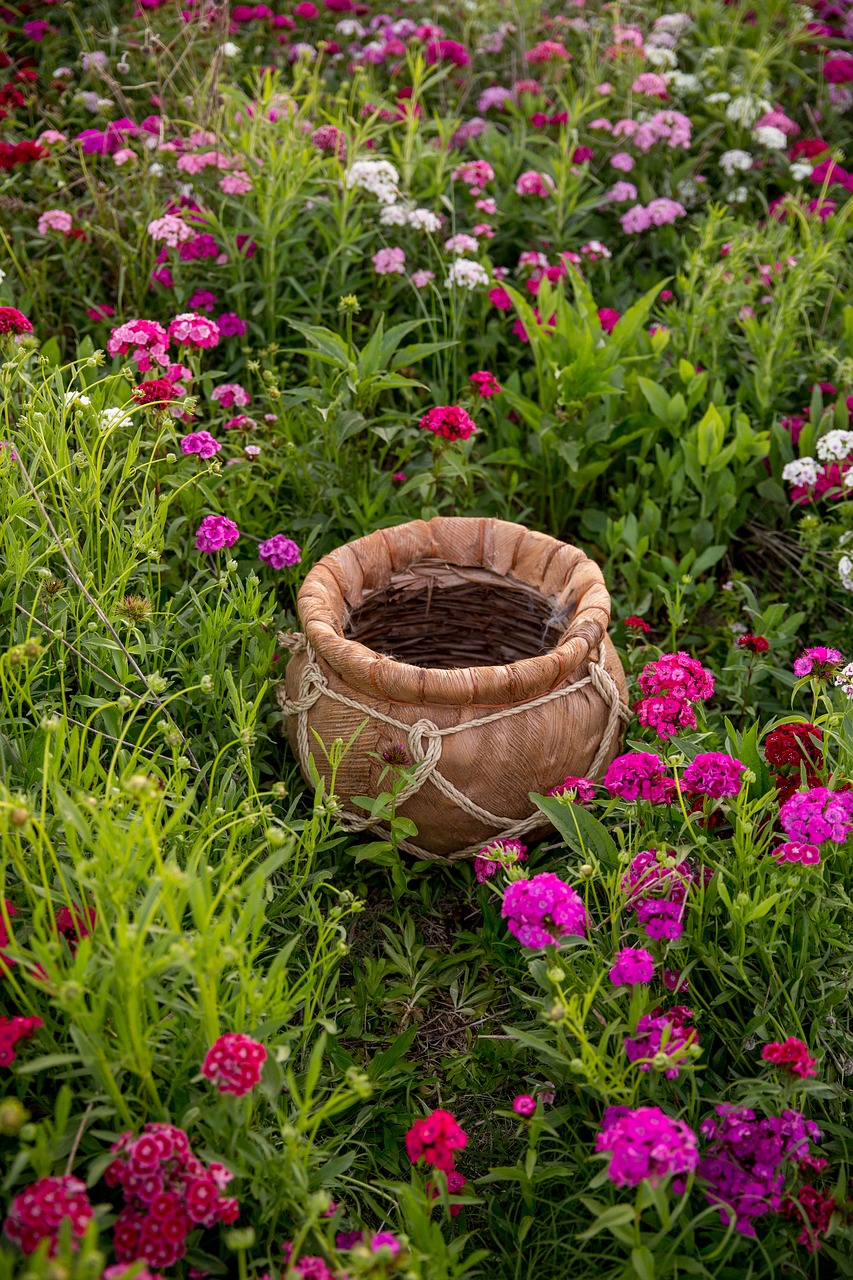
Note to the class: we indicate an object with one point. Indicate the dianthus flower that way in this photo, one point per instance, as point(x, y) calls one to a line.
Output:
point(524, 1104)
point(656, 888)
point(448, 421)
point(677, 673)
point(387, 262)
point(144, 339)
point(744, 1166)
point(791, 851)
point(54, 220)
point(632, 965)
point(171, 229)
point(14, 321)
point(755, 644)
point(329, 138)
point(216, 532)
point(200, 442)
point(234, 1062)
point(202, 300)
point(455, 1185)
point(645, 1143)
point(194, 330)
point(474, 173)
point(230, 393)
point(485, 383)
point(581, 790)
point(435, 1139)
point(792, 1055)
point(635, 623)
point(38, 1211)
point(813, 817)
point(279, 552)
point(499, 853)
point(791, 745)
point(75, 923)
point(543, 909)
point(447, 51)
point(532, 183)
point(230, 325)
point(713, 774)
point(814, 1211)
point(168, 1192)
point(547, 51)
point(155, 391)
point(662, 1040)
point(650, 84)
point(639, 775)
point(11, 1031)
point(818, 662)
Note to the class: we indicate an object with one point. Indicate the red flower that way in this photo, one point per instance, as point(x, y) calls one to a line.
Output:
point(792, 1055)
point(11, 319)
point(11, 1031)
point(37, 1213)
point(791, 745)
point(755, 644)
point(634, 623)
point(435, 1139)
point(814, 1211)
point(155, 391)
point(449, 421)
point(234, 1062)
point(455, 1183)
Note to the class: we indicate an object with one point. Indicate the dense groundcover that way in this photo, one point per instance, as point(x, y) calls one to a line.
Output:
point(273, 277)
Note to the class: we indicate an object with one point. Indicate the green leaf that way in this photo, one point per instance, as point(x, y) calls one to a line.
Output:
point(643, 1262)
point(383, 1062)
point(617, 1215)
point(580, 830)
point(331, 344)
point(656, 398)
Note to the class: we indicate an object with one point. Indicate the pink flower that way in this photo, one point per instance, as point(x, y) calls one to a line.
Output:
point(632, 965)
point(622, 191)
point(236, 184)
point(499, 853)
point(662, 1038)
point(542, 909)
point(194, 330)
point(420, 279)
point(500, 298)
point(171, 229)
point(666, 713)
point(815, 816)
point(329, 138)
point(234, 1063)
point(37, 1213)
point(547, 51)
point(524, 1104)
point(447, 51)
point(448, 421)
point(231, 326)
point(663, 211)
point(713, 774)
point(818, 662)
point(650, 84)
point(622, 161)
point(202, 300)
point(608, 319)
point(13, 1029)
point(200, 442)
point(54, 220)
point(215, 533)
point(677, 673)
point(485, 383)
point(279, 552)
point(145, 338)
point(581, 790)
point(792, 851)
point(532, 183)
point(435, 1139)
point(792, 1056)
point(389, 262)
point(645, 1143)
point(640, 775)
point(230, 393)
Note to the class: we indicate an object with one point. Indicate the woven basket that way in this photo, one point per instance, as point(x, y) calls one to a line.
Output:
point(479, 646)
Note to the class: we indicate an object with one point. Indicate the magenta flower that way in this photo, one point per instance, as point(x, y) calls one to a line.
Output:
point(645, 1143)
point(543, 909)
point(815, 816)
point(818, 662)
point(792, 851)
point(532, 183)
point(193, 329)
point(37, 1213)
point(640, 775)
point(485, 383)
point(524, 1104)
point(215, 533)
point(389, 262)
point(581, 790)
point(713, 774)
point(666, 714)
point(448, 421)
point(608, 318)
point(234, 1063)
point(279, 552)
point(499, 853)
point(661, 1040)
point(200, 442)
point(229, 394)
point(677, 673)
point(632, 965)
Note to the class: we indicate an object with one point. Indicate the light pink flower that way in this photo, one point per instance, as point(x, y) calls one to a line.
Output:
point(622, 161)
point(54, 220)
point(388, 262)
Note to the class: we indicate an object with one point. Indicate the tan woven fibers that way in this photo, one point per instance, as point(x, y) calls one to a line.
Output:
point(509, 683)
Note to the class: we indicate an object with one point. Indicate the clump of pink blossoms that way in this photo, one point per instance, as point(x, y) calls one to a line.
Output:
point(230, 393)
point(192, 329)
point(640, 775)
point(713, 774)
point(499, 853)
point(215, 533)
point(645, 1143)
point(38, 1212)
point(656, 888)
point(533, 183)
point(815, 816)
point(662, 1040)
point(389, 262)
point(279, 552)
point(234, 1062)
point(144, 339)
point(542, 909)
point(200, 442)
point(818, 662)
point(449, 421)
point(55, 220)
point(581, 790)
point(671, 685)
point(631, 966)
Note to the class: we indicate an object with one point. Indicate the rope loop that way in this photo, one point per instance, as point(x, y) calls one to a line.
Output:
point(424, 739)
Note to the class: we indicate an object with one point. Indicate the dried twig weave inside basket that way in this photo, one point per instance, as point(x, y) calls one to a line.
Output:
point(435, 614)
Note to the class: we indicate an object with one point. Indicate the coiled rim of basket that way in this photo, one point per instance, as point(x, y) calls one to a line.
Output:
point(559, 571)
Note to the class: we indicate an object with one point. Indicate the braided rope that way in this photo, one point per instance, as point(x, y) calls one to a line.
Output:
point(424, 739)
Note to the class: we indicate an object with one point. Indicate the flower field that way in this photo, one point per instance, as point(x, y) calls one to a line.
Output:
point(274, 277)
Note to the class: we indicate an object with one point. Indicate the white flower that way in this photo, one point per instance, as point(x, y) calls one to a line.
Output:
point(735, 162)
point(738, 196)
point(714, 98)
point(111, 418)
point(466, 274)
point(675, 22)
point(834, 446)
point(681, 82)
point(230, 50)
point(379, 177)
point(424, 220)
point(845, 573)
point(76, 397)
point(658, 56)
point(155, 170)
point(767, 135)
point(350, 27)
point(746, 109)
point(2, 275)
point(687, 191)
point(844, 679)
point(801, 471)
point(394, 215)
point(461, 243)
point(800, 170)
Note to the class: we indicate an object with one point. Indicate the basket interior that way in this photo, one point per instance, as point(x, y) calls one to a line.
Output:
point(435, 614)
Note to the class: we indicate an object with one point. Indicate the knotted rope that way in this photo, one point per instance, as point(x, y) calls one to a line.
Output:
point(424, 740)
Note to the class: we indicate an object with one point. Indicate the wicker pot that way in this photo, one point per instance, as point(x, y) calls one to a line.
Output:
point(479, 646)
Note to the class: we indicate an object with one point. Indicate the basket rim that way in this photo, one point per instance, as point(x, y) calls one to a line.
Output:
point(558, 570)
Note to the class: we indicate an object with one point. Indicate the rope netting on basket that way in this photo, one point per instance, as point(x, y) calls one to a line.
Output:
point(424, 739)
